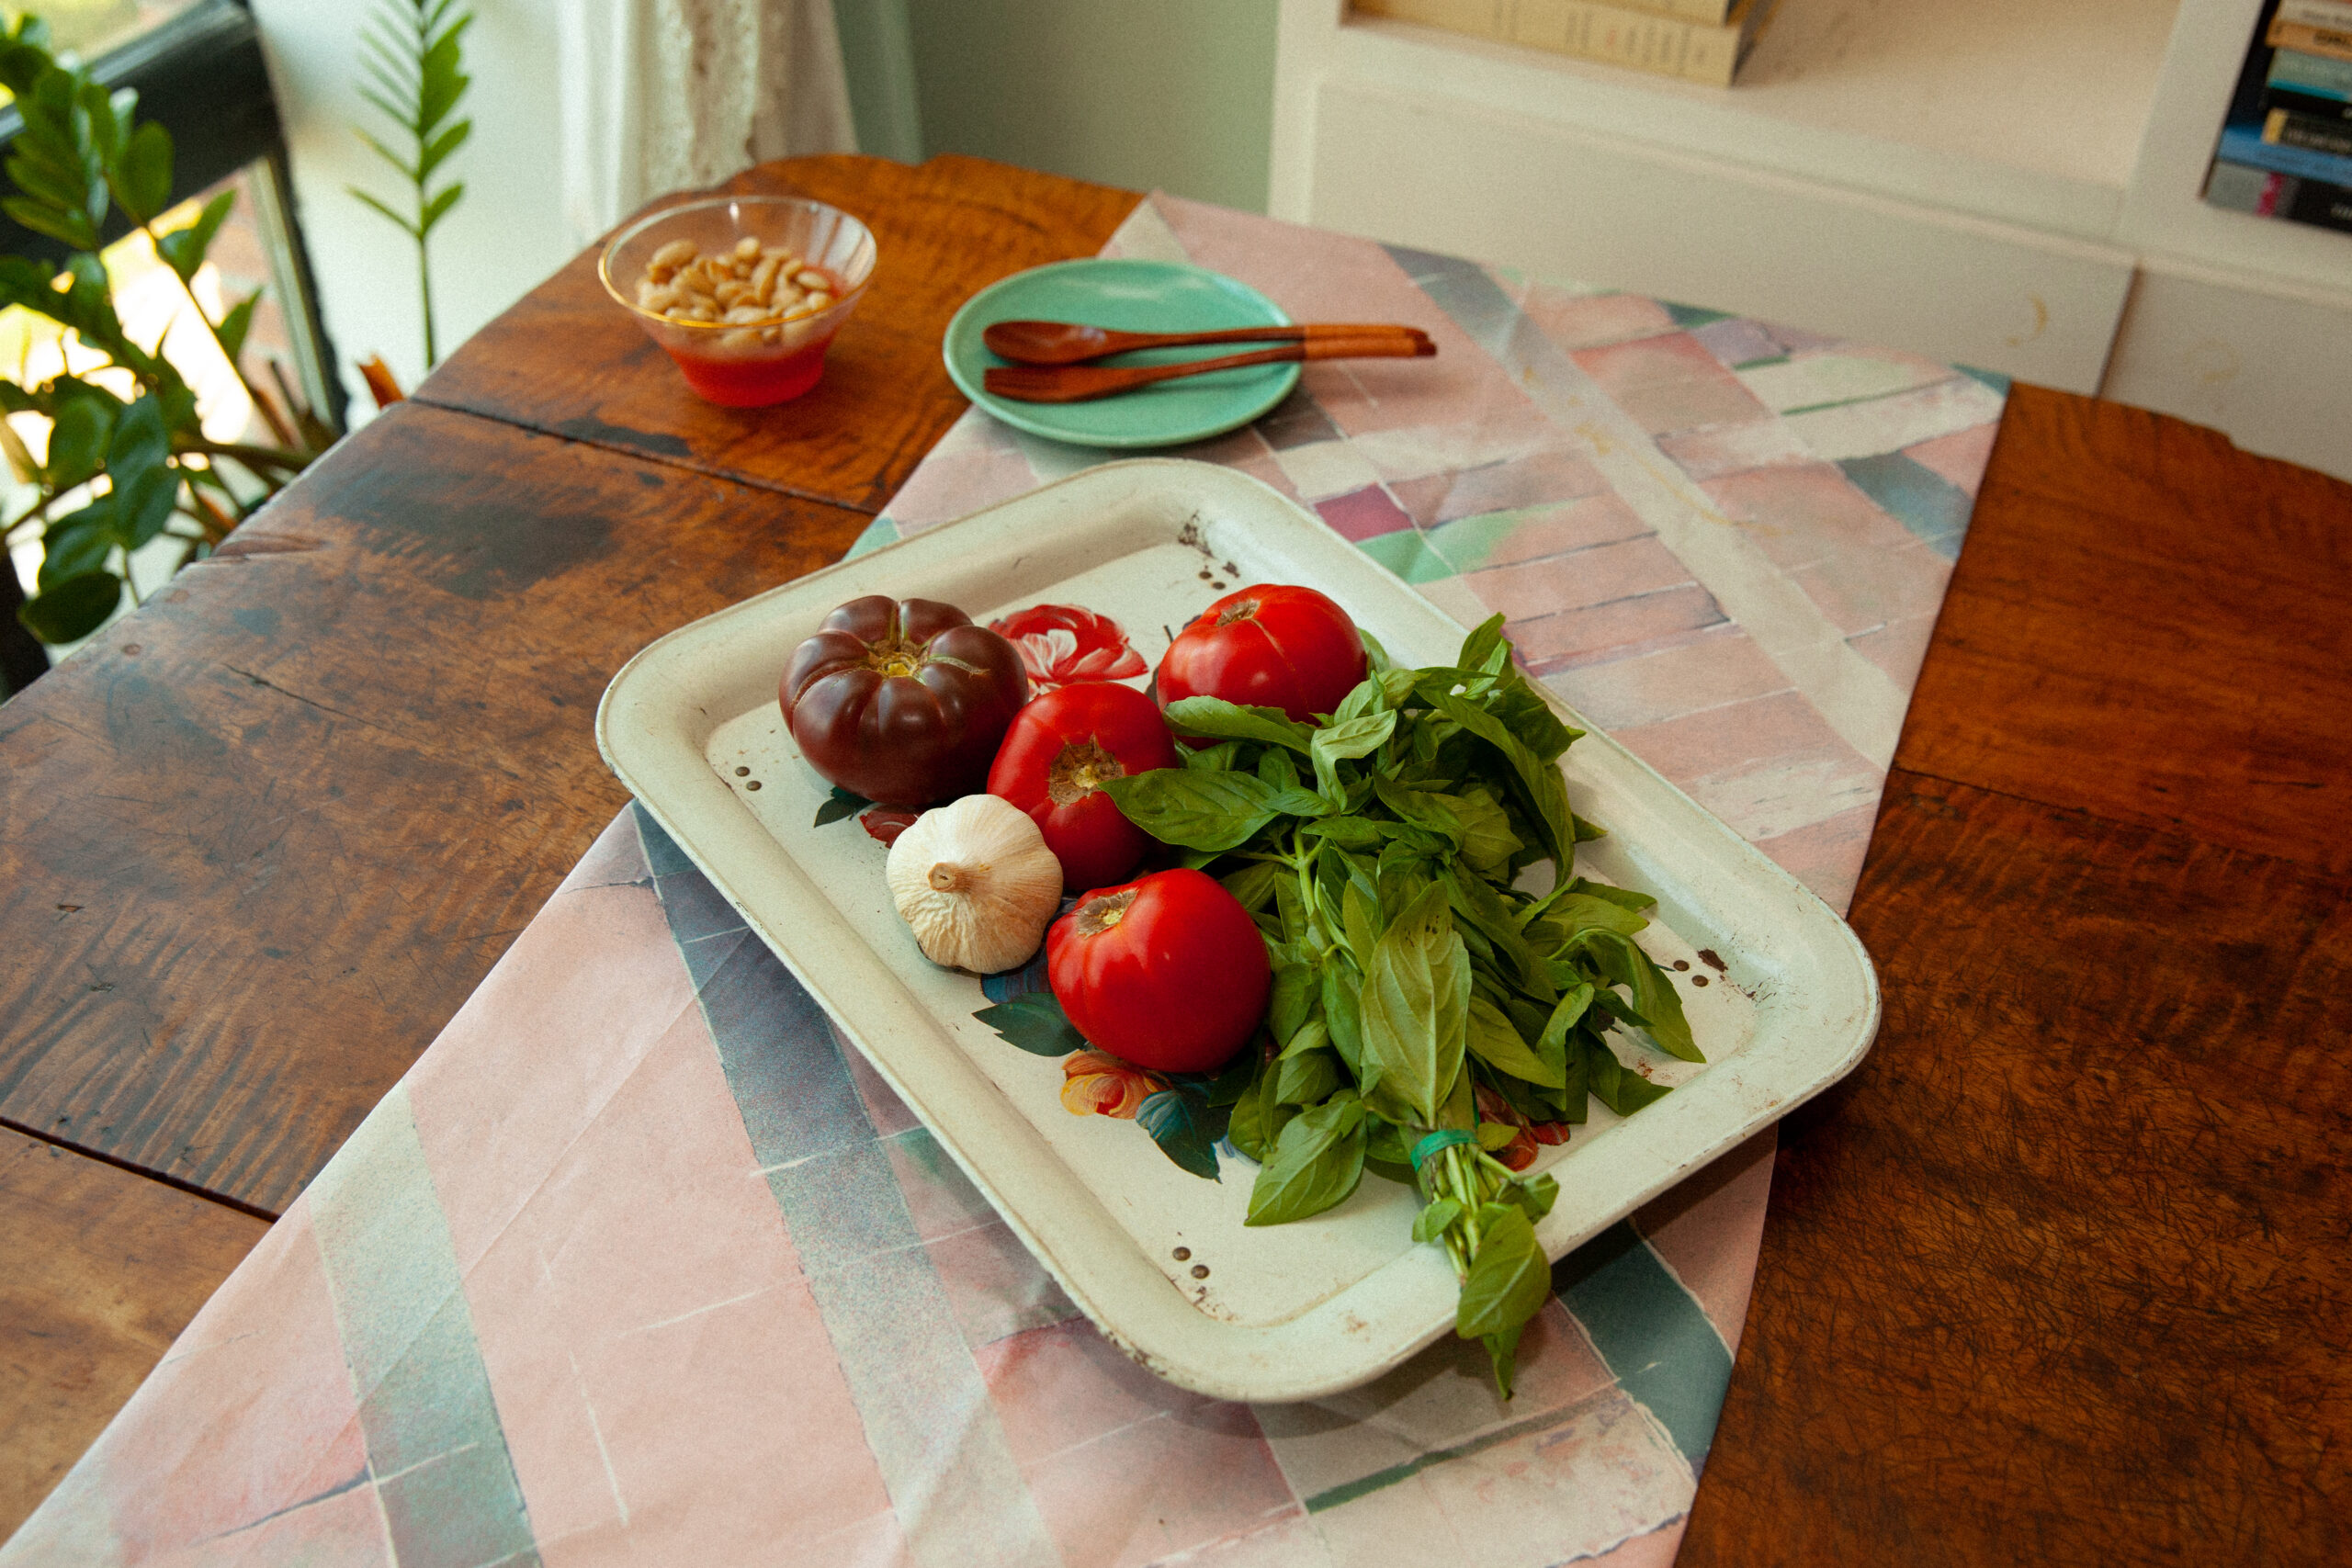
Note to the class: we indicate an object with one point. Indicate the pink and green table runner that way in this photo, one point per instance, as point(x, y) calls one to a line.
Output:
point(640, 1264)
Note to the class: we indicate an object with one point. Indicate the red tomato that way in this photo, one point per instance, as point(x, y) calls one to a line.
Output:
point(1059, 750)
point(1166, 972)
point(1274, 647)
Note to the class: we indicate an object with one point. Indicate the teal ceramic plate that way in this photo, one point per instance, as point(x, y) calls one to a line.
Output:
point(1131, 295)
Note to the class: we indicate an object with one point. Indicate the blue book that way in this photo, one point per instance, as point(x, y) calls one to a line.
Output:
point(2311, 73)
point(2243, 144)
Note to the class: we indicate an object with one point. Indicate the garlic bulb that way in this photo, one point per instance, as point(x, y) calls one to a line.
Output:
point(975, 882)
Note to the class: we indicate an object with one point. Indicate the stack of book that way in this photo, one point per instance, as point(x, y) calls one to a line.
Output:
point(1699, 41)
point(2286, 150)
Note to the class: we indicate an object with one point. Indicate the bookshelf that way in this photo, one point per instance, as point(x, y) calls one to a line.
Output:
point(2013, 184)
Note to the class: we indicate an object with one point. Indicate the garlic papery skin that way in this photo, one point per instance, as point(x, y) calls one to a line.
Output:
point(975, 883)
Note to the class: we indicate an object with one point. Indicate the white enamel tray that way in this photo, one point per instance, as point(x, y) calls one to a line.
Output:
point(1289, 1311)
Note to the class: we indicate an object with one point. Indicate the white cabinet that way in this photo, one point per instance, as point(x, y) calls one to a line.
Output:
point(2009, 184)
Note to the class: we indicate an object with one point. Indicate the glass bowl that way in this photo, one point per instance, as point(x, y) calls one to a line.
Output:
point(775, 349)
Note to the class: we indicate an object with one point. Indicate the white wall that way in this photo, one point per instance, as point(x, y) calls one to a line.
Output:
point(506, 235)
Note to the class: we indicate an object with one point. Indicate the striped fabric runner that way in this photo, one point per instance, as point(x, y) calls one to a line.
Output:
point(639, 1265)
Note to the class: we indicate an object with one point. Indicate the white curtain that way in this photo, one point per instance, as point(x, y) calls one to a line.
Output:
point(662, 95)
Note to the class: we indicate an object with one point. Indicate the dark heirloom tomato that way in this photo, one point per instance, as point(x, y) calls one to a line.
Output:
point(902, 703)
point(1276, 647)
point(1059, 750)
point(1166, 972)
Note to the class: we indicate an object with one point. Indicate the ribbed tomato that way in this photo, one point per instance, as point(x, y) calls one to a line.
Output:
point(1054, 759)
point(902, 702)
point(1166, 972)
point(1275, 646)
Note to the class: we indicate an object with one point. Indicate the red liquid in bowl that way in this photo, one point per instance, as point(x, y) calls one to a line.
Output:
point(755, 383)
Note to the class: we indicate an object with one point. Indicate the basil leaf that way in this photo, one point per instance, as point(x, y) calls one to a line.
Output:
point(1253, 886)
point(1538, 780)
point(1484, 639)
point(1496, 1136)
point(1213, 759)
point(1509, 1280)
point(1358, 920)
point(1186, 1127)
point(1035, 1022)
point(840, 804)
point(1474, 899)
point(1494, 1042)
point(1193, 809)
point(1313, 1035)
point(1232, 721)
point(1487, 843)
point(1290, 1001)
point(1275, 767)
point(1416, 1007)
point(1375, 655)
point(1384, 1144)
point(1257, 1116)
point(1431, 1223)
point(1337, 743)
point(1654, 995)
point(1534, 1197)
point(1318, 1161)
point(1627, 898)
point(1343, 1015)
point(1347, 832)
point(1524, 712)
point(1502, 1349)
point(1613, 1084)
point(1308, 1078)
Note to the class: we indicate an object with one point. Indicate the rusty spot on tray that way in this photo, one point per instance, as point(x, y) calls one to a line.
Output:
point(1183, 1253)
point(1200, 1270)
point(1708, 957)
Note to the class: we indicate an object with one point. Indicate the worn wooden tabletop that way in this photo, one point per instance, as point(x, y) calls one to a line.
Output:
point(2060, 1271)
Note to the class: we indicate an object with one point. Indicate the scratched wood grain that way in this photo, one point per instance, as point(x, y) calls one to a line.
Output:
point(2060, 1275)
point(104, 1267)
point(262, 838)
point(568, 361)
point(2149, 624)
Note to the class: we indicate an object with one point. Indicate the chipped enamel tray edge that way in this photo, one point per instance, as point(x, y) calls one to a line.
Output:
point(1069, 1193)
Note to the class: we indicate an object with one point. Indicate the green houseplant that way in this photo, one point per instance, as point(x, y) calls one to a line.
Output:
point(121, 470)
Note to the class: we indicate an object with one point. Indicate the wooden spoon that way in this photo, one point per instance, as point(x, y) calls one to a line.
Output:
point(1078, 383)
point(1071, 342)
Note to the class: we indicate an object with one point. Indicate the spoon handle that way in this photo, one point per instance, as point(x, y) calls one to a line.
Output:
point(1078, 383)
point(1020, 340)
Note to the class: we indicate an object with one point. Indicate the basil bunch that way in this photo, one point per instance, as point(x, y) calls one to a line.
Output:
point(1379, 854)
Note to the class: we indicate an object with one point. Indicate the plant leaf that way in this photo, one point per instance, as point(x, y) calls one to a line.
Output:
point(1354, 738)
point(1416, 1007)
point(1034, 1022)
point(1494, 1041)
point(1612, 1082)
point(840, 804)
point(1186, 1127)
point(1318, 1161)
point(237, 322)
point(143, 177)
point(184, 249)
point(1308, 1078)
point(1222, 720)
point(74, 608)
point(1194, 809)
point(1431, 1222)
point(1509, 1280)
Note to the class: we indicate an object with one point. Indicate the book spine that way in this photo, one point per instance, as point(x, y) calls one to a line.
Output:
point(2311, 105)
point(2239, 187)
point(2311, 73)
point(2281, 128)
point(2335, 43)
point(2322, 205)
point(1491, 19)
point(2335, 13)
point(2243, 144)
point(1593, 30)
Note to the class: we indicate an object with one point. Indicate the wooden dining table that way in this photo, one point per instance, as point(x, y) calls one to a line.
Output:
point(2059, 1274)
